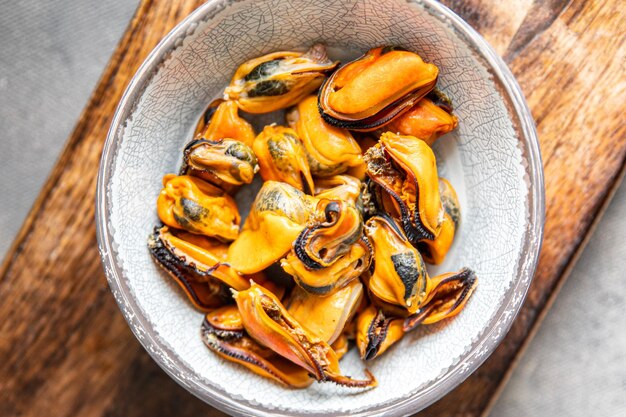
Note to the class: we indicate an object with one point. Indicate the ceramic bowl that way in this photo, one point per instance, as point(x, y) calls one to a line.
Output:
point(492, 159)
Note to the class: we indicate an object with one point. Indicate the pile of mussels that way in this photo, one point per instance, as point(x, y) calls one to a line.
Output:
point(350, 207)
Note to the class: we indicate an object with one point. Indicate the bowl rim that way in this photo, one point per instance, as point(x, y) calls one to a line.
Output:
point(481, 349)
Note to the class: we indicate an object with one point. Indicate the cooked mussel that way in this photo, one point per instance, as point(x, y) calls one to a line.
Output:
point(197, 265)
point(425, 120)
point(448, 297)
point(283, 158)
point(325, 317)
point(376, 88)
point(267, 280)
point(341, 345)
point(405, 170)
point(375, 332)
point(277, 216)
point(189, 203)
point(399, 282)
point(321, 243)
point(434, 251)
point(330, 150)
point(322, 281)
point(269, 323)
point(339, 187)
point(227, 163)
point(221, 120)
point(399, 276)
point(223, 332)
point(279, 80)
point(330, 252)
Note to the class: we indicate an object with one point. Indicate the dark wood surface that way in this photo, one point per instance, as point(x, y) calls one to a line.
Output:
point(65, 350)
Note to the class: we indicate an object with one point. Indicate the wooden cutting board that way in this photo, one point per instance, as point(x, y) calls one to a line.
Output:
point(65, 350)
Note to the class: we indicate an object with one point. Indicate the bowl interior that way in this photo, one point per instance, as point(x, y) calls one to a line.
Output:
point(485, 159)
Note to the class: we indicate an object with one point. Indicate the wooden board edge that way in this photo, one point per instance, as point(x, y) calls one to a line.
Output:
point(65, 155)
point(557, 288)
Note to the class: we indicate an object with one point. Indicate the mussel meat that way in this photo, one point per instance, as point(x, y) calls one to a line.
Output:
point(197, 265)
point(330, 252)
point(321, 243)
point(279, 80)
point(341, 345)
point(322, 281)
point(399, 277)
point(339, 187)
point(405, 170)
point(330, 149)
point(425, 120)
point(277, 216)
point(269, 323)
point(283, 158)
point(375, 332)
point(400, 284)
point(325, 317)
point(223, 333)
point(434, 251)
point(372, 90)
point(449, 295)
point(221, 120)
point(189, 203)
point(227, 163)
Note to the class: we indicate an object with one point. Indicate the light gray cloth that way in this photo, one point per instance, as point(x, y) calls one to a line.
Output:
point(51, 56)
point(576, 365)
point(52, 53)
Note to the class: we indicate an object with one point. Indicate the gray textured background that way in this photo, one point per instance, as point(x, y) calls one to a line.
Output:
point(51, 57)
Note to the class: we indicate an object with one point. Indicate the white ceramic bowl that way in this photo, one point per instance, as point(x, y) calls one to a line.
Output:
point(492, 159)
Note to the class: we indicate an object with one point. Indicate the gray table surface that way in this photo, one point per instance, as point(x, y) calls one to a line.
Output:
point(51, 56)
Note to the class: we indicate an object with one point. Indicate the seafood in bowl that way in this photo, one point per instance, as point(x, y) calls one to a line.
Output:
point(348, 245)
point(490, 158)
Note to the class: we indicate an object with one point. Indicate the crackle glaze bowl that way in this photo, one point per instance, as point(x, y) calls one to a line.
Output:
point(492, 159)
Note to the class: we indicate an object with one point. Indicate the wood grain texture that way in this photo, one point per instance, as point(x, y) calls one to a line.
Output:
point(572, 74)
point(65, 349)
